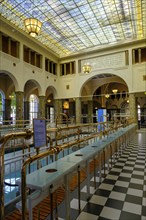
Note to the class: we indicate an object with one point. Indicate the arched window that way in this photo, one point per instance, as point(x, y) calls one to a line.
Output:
point(13, 107)
point(2, 98)
point(139, 112)
point(124, 108)
point(33, 100)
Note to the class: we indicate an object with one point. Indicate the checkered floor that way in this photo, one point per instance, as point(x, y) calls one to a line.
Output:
point(122, 193)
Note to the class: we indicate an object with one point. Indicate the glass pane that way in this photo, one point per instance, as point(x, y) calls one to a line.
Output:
point(71, 26)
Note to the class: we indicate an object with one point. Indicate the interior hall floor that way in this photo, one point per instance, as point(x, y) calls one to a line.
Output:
point(122, 193)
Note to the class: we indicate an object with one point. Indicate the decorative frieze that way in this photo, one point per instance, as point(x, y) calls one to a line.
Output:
point(108, 61)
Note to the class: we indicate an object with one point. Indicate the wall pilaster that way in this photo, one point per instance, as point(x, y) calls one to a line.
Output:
point(133, 107)
point(78, 110)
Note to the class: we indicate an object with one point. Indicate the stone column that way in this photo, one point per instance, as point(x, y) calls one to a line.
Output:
point(57, 107)
point(19, 105)
point(42, 104)
point(133, 107)
point(78, 110)
point(90, 111)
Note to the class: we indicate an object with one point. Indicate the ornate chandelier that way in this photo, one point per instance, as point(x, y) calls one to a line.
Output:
point(33, 26)
point(86, 68)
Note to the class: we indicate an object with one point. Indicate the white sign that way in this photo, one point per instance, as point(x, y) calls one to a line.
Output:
point(39, 128)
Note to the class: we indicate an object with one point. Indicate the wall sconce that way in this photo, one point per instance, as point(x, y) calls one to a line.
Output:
point(49, 100)
point(107, 96)
point(33, 26)
point(66, 105)
point(114, 91)
point(86, 68)
point(11, 96)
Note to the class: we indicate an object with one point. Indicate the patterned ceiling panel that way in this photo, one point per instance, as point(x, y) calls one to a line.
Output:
point(74, 26)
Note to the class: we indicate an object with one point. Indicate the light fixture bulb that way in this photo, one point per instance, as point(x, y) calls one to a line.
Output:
point(114, 91)
point(107, 96)
point(86, 68)
point(33, 26)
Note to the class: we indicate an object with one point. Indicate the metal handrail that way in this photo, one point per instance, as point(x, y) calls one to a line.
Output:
point(27, 134)
point(55, 150)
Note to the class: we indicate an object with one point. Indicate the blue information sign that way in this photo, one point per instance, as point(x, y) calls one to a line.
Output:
point(39, 128)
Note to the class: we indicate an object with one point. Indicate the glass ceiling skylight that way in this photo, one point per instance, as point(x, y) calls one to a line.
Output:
point(72, 26)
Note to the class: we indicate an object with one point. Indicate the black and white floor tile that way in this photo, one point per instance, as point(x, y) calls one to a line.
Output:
point(122, 193)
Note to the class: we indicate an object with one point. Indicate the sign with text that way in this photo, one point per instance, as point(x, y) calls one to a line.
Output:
point(101, 118)
point(39, 128)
